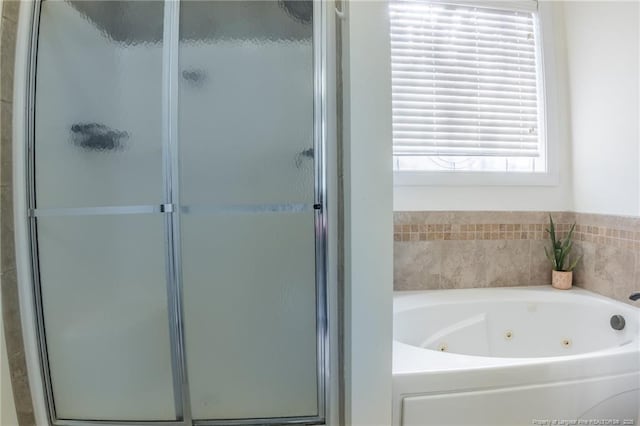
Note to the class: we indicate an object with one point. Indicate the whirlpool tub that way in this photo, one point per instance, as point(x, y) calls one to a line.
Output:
point(514, 356)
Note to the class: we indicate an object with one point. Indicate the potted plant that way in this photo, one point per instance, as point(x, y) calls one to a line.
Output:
point(562, 273)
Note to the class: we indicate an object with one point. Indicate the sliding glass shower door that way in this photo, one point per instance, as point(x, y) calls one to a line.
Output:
point(177, 211)
point(247, 217)
point(100, 235)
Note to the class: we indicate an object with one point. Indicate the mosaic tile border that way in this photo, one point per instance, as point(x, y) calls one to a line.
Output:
point(613, 237)
point(622, 233)
point(477, 231)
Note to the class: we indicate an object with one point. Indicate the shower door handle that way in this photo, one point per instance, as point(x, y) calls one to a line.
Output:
point(166, 208)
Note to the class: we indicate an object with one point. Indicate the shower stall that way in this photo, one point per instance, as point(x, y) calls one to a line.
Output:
point(176, 187)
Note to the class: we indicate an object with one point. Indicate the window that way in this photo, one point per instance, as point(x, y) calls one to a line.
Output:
point(467, 88)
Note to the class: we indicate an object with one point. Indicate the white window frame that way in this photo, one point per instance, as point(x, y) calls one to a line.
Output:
point(547, 88)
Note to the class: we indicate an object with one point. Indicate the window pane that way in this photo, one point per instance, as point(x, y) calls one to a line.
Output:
point(465, 83)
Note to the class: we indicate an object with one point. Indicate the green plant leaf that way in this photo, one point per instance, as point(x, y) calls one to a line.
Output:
point(552, 231)
point(560, 248)
point(567, 241)
point(552, 259)
point(559, 259)
point(574, 263)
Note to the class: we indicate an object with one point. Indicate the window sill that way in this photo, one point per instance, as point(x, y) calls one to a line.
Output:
point(417, 178)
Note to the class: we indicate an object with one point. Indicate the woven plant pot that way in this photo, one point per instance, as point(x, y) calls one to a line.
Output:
point(562, 280)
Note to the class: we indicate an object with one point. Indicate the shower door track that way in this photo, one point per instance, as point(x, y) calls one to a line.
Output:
point(169, 208)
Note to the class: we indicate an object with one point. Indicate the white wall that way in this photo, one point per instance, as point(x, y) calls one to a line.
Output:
point(368, 215)
point(602, 56)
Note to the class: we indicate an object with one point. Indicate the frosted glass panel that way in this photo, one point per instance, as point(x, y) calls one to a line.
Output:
point(105, 314)
point(98, 104)
point(246, 144)
point(249, 296)
point(246, 102)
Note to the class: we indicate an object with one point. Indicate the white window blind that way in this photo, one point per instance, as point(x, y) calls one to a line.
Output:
point(464, 81)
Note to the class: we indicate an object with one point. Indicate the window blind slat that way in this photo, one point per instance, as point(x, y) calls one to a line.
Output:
point(462, 43)
point(442, 78)
point(462, 95)
point(415, 8)
point(466, 152)
point(516, 22)
point(461, 14)
point(460, 27)
point(408, 114)
point(464, 81)
point(419, 64)
point(447, 121)
point(444, 44)
point(465, 100)
point(472, 136)
point(416, 144)
point(420, 9)
point(428, 54)
point(444, 121)
point(439, 128)
point(467, 38)
point(461, 105)
point(467, 115)
point(432, 84)
point(478, 92)
point(465, 70)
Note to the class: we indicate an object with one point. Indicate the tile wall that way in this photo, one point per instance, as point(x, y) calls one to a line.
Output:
point(442, 250)
point(8, 277)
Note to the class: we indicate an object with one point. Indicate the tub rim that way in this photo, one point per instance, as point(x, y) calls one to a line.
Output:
point(409, 359)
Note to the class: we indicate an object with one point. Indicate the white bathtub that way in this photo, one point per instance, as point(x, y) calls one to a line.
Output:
point(514, 356)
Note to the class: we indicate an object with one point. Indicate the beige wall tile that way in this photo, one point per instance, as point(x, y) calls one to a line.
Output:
point(7, 59)
point(464, 264)
point(508, 262)
point(614, 265)
point(417, 265)
point(22, 398)
point(7, 245)
point(635, 286)
point(539, 265)
point(6, 150)
point(15, 348)
point(623, 289)
point(10, 9)
point(584, 271)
